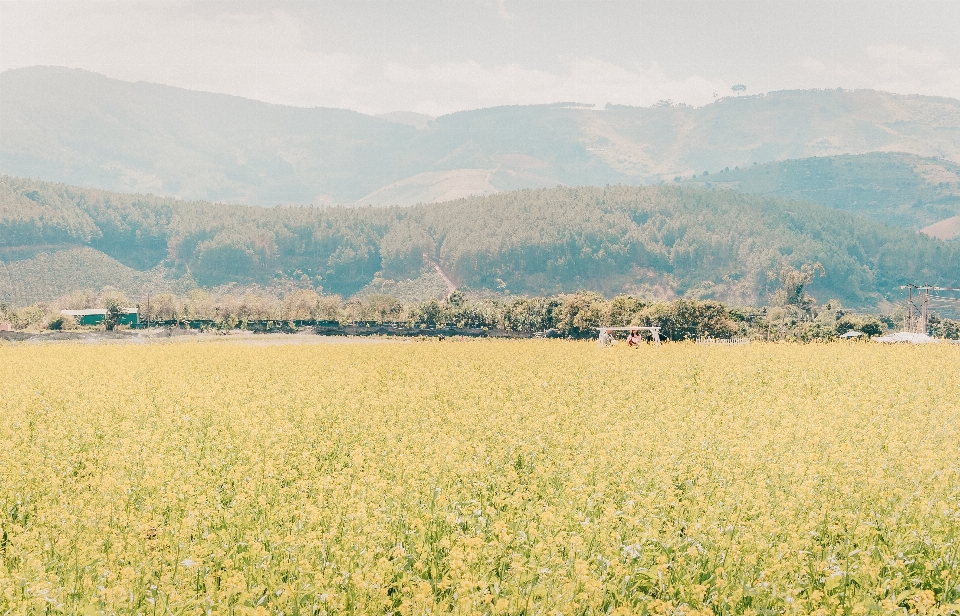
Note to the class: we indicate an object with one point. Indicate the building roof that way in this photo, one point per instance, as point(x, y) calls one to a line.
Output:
point(852, 334)
point(94, 311)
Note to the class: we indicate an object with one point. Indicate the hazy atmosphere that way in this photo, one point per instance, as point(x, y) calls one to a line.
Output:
point(480, 308)
point(437, 57)
point(665, 150)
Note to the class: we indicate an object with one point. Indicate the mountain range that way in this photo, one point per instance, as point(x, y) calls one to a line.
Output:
point(148, 187)
point(81, 128)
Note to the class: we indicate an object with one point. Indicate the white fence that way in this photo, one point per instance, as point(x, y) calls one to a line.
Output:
point(723, 341)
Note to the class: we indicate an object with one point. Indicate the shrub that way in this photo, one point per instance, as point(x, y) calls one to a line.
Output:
point(946, 328)
point(62, 321)
point(871, 326)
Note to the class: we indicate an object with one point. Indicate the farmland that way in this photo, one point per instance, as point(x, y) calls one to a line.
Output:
point(480, 477)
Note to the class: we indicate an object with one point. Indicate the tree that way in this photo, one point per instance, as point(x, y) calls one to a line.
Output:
point(578, 314)
point(457, 299)
point(946, 328)
point(116, 304)
point(622, 309)
point(61, 321)
point(793, 292)
point(301, 305)
point(382, 309)
point(688, 319)
point(529, 314)
point(737, 89)
point(329, 308)
point(871, 326)
point(428, 315)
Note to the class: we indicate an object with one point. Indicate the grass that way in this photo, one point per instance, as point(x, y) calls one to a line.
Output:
point(479, 477)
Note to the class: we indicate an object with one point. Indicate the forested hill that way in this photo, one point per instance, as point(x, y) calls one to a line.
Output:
point(661, 241)
point(82, 128)
point(898, 189)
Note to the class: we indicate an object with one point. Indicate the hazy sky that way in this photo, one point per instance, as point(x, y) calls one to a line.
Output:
point(436, 57)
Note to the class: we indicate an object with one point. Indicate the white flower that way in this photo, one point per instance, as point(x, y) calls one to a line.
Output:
point(634, 550)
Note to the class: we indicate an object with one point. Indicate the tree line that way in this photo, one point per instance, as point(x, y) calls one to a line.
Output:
point(793, 314)
point(645, 241)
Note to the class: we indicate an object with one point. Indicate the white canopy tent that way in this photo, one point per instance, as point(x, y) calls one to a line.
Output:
point(605, 338)
point(909, 337)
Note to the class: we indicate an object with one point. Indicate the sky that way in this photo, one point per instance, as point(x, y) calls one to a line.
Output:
point(438, 57)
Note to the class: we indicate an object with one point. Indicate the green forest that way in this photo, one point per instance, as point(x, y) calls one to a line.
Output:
point(655, 241)
point(901, 190)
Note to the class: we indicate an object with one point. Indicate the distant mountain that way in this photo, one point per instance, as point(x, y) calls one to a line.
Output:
point(897, 189)
point(439, 186)
point(655, 241)
point(409, 118)
point(78, 127)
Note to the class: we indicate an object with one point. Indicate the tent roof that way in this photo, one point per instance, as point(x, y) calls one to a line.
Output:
point(906, 337)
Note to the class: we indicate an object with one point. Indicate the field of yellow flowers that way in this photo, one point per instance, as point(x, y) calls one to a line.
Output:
point(512, 477)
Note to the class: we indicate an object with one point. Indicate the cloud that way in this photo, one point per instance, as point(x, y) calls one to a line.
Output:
point(264, 55)
point(908, 70)
point(269, 54)
point(901, 55)
point(276, 53)
point(891, 68)
point(812, 72)
point(809, 63)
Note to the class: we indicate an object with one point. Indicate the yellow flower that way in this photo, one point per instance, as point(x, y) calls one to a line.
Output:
point(447, 479)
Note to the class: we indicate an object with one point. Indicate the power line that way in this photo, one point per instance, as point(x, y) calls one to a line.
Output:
point(918, 317)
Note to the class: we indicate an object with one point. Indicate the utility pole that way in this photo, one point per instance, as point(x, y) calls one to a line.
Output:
point(908, 325)
point(918, 318)
point(924, 303)
point(916, 322)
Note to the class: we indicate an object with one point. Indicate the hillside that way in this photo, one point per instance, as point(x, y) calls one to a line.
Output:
point(56, 271)
point(946, 229)
point(655, 241)
point(898, 189)
point(81, 128)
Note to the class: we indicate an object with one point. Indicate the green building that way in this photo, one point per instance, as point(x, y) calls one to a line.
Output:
point(96, 316)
